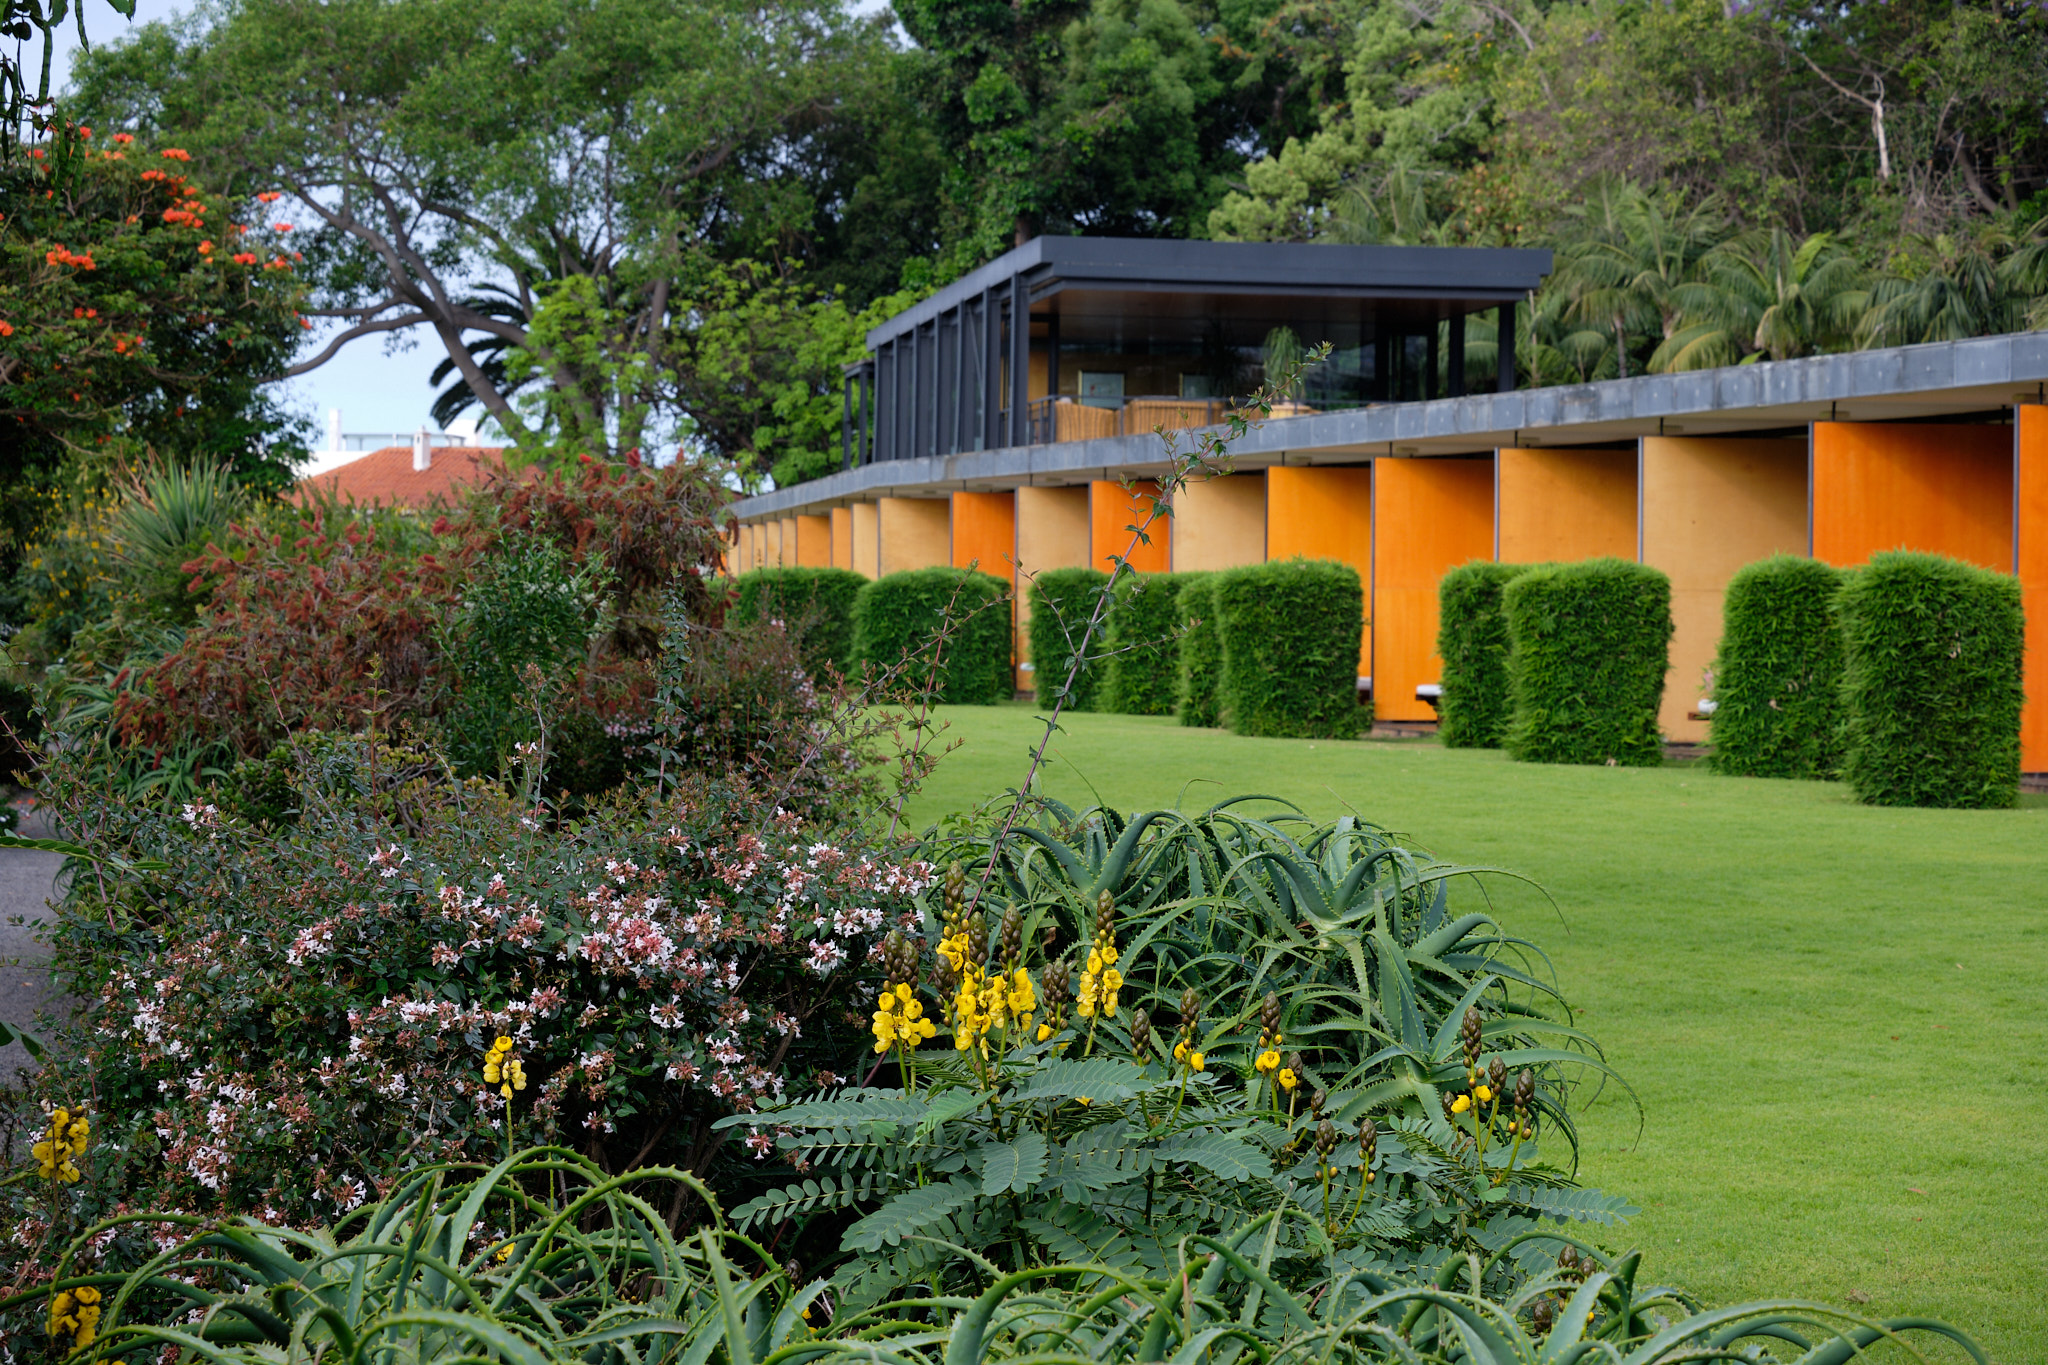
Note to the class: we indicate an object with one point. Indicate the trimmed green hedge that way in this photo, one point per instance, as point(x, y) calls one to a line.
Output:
point(1931, 653)
point(1472, 640)
point(1778, 679)
point(1200, 675)
point(824, 596)
point(900, 615)
point(1061, 602)
point(1592, 643)
point(1290, 633)
point(1144, 672)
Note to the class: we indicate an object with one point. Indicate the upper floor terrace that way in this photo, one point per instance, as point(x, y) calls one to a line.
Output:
point(1071, 338)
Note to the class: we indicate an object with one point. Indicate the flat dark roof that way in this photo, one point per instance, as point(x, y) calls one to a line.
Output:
point(1477, 277)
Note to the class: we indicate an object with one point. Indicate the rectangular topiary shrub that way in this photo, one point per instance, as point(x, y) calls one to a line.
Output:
point(818, 600)
point(1472, 640)
point(1290, 632)
point(1931, 653)
point(899, 615)
point(1061, 602)
point(1144, 626)
point(1199, 676)
point(1778, 677)
point(1591, 645)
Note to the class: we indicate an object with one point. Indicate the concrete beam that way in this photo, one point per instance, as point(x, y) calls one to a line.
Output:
point(1984, 374)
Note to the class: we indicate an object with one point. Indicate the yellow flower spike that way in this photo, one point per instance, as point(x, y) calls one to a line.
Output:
point(1461, 1104)
point(1288, 1080)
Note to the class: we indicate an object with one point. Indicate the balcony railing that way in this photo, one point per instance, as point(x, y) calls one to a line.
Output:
point(1070, 419)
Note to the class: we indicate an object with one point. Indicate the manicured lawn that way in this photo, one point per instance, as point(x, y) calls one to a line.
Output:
point(1837, 1017)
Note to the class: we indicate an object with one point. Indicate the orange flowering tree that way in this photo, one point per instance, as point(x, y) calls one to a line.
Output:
point(139, 312)
point(135, 303)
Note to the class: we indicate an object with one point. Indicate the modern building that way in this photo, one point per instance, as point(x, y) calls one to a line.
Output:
point(1940, 447)
point(1106, 336)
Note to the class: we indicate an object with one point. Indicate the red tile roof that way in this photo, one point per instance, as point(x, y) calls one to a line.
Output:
point(387, 476)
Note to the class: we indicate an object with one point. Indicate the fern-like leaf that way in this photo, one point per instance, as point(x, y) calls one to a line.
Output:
point(911, 1211)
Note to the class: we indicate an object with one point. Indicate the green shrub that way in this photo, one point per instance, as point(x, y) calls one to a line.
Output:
point(1200, 674)
point(1062, 600)
point(1290, 634)
point(530, 606)
point(1931, 682)
point(816, 603)
point(897, 617)
point(1778, 677)
point(1591, 646)
point(1144, 621)
point(1472, 639)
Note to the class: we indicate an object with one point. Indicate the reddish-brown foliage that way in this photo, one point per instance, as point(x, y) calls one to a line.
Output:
point(318, 630)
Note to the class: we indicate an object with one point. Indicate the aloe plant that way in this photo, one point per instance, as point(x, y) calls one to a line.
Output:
point(543, 1258)
point(1304, 1025)
point(546, 1260)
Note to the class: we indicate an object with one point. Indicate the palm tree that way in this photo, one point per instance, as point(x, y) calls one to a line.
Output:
point(1621, 277)
point(1972, 282)
point(1765, 296)
point(1394, 209)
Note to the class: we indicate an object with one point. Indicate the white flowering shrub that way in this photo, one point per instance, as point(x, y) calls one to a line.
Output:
point(283, 1025)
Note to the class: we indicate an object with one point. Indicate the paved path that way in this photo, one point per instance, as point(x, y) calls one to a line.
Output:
point(27, 881)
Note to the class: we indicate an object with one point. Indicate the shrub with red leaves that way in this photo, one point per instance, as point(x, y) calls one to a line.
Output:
point(322, 629)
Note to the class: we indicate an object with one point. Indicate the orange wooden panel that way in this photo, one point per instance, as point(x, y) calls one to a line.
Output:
point(985, 530)
point(1429, 516)
point(867, 539)
point(2032, 566)
point(842, 537)
point(814, 542)
point(1943, 488)
point(1111, 514)
point(1325, 514)
point(913, 533)
point(1712, 504)
point(1563, 505)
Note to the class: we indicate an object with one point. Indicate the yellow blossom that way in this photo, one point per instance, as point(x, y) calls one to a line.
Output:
point(1044, 1032)
point(1461, 1104)
point(1287, 1078)
point(1196, 1061)
point(1269, 1060)
point(899, 1018)
point(1483, 1093)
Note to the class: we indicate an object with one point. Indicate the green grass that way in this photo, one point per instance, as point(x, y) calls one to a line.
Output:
point(1834, 1014)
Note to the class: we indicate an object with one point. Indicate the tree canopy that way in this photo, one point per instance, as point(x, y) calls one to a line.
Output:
point(629, 224)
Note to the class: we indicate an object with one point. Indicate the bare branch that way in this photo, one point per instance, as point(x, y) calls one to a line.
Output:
point(359, 330)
